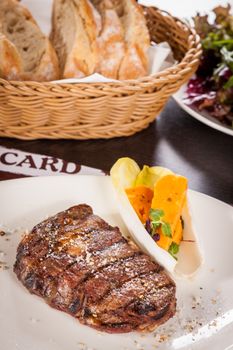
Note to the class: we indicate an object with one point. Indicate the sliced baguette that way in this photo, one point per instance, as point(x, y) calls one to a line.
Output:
point(75, 26)
point(117, 5)
point(39, 60)
point(135, 62)
point(110, 43)
point(11, 65)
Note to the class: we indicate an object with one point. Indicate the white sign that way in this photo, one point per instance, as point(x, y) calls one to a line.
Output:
point(31, 164)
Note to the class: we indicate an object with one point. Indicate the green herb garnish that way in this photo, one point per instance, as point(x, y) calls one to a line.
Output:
point(173, 250)
point(156, 222)
point(212, 88)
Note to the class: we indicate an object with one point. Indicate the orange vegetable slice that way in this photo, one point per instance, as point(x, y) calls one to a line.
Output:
point(140, 198)
point(178, 233)
point(164, 241)
point(169, 196)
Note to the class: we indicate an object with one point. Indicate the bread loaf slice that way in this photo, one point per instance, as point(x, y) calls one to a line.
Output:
point(117, 5)
point(110, 43)
point(135, 62)
point(75, 26)
point(10, 61)
point(39, 60)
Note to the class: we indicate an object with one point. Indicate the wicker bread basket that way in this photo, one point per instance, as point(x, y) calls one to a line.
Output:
point(31, 110)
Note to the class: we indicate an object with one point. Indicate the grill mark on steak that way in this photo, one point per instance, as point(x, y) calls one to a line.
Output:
point(87, 235)
point(129, 312)
point(116, 274)
point(119, 286)
point(81, 265)
point(95, 292)
point(140, 286)
point(48, 260)
point(141, 323)
point(92, 242)
point(82, 276)
point(48, 268)
point(98, 269)
point(118, 306)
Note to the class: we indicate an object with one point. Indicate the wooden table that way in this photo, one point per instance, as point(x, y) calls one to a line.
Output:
point(175, 140)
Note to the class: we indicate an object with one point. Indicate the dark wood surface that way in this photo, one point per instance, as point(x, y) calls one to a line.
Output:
point(175, 140)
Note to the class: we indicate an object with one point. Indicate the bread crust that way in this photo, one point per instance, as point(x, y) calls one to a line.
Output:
point(111, 39)
point(111, 44)
point(47, 67)
point(123, 54)
point(135, 62)
point(79, 60)
point(10, 61)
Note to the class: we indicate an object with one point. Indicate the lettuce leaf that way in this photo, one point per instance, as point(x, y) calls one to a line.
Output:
point(124, 173)
point(148, 176)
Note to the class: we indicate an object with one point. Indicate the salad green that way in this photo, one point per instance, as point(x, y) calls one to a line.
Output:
point(212, 88)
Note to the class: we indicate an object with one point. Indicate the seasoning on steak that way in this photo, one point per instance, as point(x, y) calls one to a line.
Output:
point(81, 265)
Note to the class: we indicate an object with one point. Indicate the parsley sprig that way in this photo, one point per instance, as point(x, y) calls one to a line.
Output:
point(157, 221)
point(173, 250)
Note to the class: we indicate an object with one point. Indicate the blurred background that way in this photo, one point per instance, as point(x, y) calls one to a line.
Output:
point(184, 8)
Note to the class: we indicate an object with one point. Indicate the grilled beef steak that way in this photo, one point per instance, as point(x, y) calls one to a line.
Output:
point(81, 265)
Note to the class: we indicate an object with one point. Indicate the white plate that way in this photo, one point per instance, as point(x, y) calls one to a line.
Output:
point(205, 305)
point(202, 117)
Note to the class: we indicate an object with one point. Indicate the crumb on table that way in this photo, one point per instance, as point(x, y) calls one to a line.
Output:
point(3, 265)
